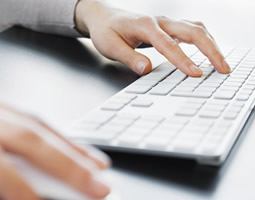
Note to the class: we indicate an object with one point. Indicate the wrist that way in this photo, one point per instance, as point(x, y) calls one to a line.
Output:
point(86, 11)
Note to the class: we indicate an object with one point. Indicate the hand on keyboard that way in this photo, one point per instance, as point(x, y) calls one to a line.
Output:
point(116, 33)
point(30, 139)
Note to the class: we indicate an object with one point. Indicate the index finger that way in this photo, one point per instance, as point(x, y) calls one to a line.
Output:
point(197, 35)
point(170, 49)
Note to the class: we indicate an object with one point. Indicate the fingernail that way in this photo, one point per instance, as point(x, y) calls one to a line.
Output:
point(141, 65)
point(195, 70)
point(100, 156)
point(99, 189)
point(226, 66)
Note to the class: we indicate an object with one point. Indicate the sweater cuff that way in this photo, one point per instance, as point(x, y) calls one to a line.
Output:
point(58, 17)
point(53, 16)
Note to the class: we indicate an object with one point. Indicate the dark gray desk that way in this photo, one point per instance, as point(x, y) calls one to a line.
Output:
point(63, 78)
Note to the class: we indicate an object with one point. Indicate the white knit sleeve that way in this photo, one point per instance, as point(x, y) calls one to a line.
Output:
point(50, 16)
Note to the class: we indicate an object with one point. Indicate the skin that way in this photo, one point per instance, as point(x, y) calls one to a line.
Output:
point(111, 28)
point(30, 138)
point(115, 33)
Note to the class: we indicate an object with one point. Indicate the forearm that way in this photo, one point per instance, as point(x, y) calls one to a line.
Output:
point(50, 16)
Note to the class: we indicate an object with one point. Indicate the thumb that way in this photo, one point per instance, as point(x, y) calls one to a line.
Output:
point(136, 61)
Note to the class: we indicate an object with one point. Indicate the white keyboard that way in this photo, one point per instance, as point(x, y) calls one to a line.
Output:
point(167, 113)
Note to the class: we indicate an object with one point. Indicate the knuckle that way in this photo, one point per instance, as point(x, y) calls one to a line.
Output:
point(147, 20)
point(199, 23)
point(163, 21)
point(85, 175)
point(162, 18)
point(173, 45)
point(198, 32)
point(34, 118)
point(166, 44)
point(78, 173)
point(28, 136)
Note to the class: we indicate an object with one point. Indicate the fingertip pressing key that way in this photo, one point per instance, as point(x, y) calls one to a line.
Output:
point(195, 71)
point(222, 67)
point(220, 64)
point(226, 67)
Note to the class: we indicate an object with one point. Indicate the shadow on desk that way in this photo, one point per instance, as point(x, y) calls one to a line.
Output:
point(186, 173)
point(71, 52)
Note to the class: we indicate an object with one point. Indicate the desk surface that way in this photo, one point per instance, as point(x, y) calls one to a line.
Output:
point(56, 77)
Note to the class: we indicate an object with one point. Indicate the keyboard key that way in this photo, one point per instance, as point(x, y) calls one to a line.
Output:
point(121, 121)
point(210, 148)
point(119, 101)
point(162, 89)
point(225, 94)
point(161, 132)
point(217, 76)
point(176, 77)
point(134, 130)
point(213, 107)
point(86, 126)
point(149, 83)
point(238, 104)
point(191, 106)
point(126, 96)
point(196, 101)
point(232, 83)
point(220, 102)
point(242, 97)
point(210, 84)
point(177, 120)
point(145, 124)
point(194, 128)
point(202, 94)
point(202, 89)
point(236, 75)
point(114, 128)
point(153, 118)
point(98, 117)
point(182, 93)
point(126, 115)
point(248, 87)
point(184, 88)
point(231, 115)
point(185, 146)
point(210, 113)
point(246, 91)
point(165, 68)
point(203, 122)
point(99, 137)
point(130, 141)
point(114, 106)
point(138, 89)
point(157, 142)
point(190, 136)
point(187, 112)
point(231, 87)
point(159, 73)
point(168, 128)
point(140, 102)
point(191, 80)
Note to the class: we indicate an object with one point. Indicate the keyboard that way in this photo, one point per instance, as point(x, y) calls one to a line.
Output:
point(166, 113)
